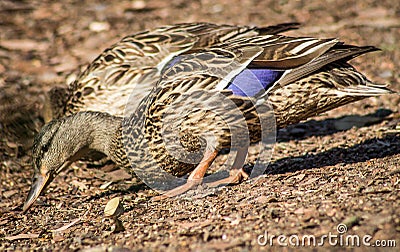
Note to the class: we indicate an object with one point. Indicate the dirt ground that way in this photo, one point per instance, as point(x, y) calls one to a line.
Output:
point(342, 167)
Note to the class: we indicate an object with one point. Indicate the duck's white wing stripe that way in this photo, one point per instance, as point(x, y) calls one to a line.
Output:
point(240, 66)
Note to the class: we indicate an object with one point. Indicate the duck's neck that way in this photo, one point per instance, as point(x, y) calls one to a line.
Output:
point(101, 132)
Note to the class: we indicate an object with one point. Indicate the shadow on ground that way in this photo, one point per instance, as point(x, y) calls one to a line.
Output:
point(367, 150)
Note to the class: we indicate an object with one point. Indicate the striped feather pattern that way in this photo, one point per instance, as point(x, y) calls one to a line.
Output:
point(194, 94)
point(318, 78)
point(132, 66)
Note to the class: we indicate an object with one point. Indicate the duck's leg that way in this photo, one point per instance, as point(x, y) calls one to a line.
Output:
point(236, 174)
point(195, 178)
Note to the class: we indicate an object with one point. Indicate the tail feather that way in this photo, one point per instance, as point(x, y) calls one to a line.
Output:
point(370, 89)
point(339, 52)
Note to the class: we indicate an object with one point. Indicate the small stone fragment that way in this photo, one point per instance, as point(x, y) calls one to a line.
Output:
point(114, 209)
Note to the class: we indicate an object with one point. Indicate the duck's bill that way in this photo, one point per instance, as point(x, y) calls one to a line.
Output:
point(39, 183)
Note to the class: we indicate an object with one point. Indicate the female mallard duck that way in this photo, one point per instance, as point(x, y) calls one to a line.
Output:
point(300, 77)
point(132, 67)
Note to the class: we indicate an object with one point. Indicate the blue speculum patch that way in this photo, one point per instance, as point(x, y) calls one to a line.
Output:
point(248, 83)
point(251, 81)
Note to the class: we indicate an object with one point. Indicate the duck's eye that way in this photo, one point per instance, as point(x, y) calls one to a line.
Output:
point(45, 148)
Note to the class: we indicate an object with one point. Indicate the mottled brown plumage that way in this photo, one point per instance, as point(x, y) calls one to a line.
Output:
point(131, 67)
point(194, 108)
point(194, 83)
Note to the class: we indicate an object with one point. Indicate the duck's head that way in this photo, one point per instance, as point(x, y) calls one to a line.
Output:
point(63, 141)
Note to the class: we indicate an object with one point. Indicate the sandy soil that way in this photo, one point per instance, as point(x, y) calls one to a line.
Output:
point(331, 170)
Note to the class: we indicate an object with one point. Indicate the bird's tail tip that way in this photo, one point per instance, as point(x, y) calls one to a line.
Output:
point(370, 89)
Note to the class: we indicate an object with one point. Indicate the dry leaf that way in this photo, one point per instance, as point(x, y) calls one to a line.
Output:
point(8, 194)
point(118, 175)
point(21, 236)
point(65, 227)
point(105, 185)
point(24, 45)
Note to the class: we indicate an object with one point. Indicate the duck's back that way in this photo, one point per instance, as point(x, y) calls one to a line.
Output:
point(130, 68)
